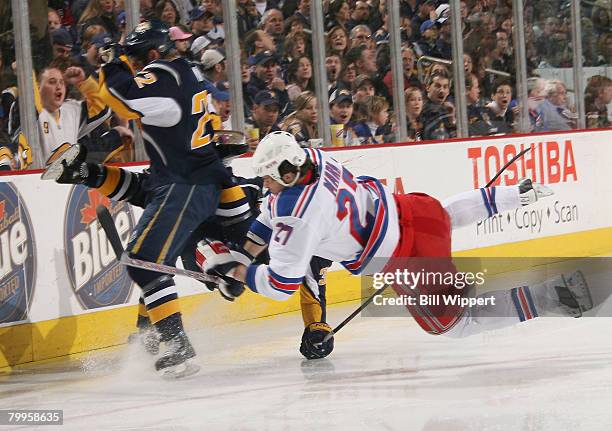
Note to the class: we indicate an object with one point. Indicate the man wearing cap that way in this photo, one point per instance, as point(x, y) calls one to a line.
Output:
point(89, 57)
point(444, 35)
point(341, 112)
point(220, 107)
point(264, 116)
point(214, 65)
point(426, 45)
point(201, 21)
point(62, 43)
point(423, 14)
point(198, 46)
point(266, 77)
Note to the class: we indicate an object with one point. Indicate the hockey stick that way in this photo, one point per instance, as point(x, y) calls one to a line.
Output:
point(108, 225)
point(380, 291)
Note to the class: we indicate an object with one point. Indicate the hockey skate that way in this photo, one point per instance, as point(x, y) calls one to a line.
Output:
point(531, 192)
point(574, 296)
point(148, 338)
point(62, 156)
point(174, 362)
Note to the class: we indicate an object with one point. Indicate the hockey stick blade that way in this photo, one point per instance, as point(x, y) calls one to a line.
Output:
point(108, 225)
point(380, 291)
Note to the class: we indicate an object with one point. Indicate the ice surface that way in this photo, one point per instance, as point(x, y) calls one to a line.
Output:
point(547, 374)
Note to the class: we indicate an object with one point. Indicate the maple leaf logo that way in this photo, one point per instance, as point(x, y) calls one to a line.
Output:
point(88, 212)
point(2, 204)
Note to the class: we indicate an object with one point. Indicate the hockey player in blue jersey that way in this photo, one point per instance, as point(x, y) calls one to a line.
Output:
point(146, 81)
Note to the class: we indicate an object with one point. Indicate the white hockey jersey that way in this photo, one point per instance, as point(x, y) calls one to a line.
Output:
point(345, 219)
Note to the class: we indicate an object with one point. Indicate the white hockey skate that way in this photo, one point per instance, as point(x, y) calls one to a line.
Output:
point(575, 296)
point(531, 192)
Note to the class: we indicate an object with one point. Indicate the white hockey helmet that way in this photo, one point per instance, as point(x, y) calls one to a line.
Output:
point(274, 149)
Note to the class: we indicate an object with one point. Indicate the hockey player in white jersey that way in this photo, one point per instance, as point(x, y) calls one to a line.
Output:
point(318, 208)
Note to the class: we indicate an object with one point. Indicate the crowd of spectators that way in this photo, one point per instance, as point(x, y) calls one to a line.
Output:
point(277, 64)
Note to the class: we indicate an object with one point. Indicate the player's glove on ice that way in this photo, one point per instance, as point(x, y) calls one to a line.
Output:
point(216, 259)
point(312, 346)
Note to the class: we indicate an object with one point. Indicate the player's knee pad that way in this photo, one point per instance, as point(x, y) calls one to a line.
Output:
point(312, 345)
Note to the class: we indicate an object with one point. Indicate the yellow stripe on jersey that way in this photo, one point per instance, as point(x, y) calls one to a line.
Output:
point(168, 242)
point(164, 310)
point(232, 194)
point(145, 232)
point(111, 182)
point(311, 307)
point(142, 310)
point(37, 101)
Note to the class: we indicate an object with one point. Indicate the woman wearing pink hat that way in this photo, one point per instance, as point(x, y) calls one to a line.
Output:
point(181, 40)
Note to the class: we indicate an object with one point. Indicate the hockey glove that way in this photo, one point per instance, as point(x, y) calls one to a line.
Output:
point(216, 259)
point(67, 165)
point(312, 346)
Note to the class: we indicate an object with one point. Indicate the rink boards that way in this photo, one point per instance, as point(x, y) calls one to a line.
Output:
point(62, 291)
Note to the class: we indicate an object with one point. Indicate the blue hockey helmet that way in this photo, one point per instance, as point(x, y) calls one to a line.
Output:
point(146, 36)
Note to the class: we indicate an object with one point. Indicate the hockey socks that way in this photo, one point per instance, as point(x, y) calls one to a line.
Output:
point(161, 301)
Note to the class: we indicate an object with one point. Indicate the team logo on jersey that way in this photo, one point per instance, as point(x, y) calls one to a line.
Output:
point(96, 276)
point(17, 256)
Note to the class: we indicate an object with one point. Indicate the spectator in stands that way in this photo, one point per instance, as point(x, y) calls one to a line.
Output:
point(341, 112)
point(409, 70)
point(264, 116)
point(303, 12)
point(360, 15)
point(502, 58)
point(376, 129)
point(348, 73)
point(598, 94)
point(264, 5)
point(273, 24)
point(475, 106)
point(362, 88)
point(438, 113)
point(248, 17)
point(267, 77)
point(198, 46)
point(333, 66)
point(302, 123)
point(338, 14)
point(414, 109)
point(62, 43)
point(100, 12)
point(299, 77)
point(167, 12)
point(535, 96)
point(554, 112)
point(214, 65)
point(295, 46)
point(89, 59)
point(361, 35)
point(443, 43)
point(295, 24)
point(337, 41)
point(181, 40)
point(258, 41)
point(497, 112)
point(55, 21)
point(427, 43)
point(425, 8)
point(364, 59)
point(201, 21)
point(221, 106)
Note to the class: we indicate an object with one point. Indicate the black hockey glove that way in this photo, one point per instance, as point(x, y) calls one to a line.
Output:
point(312, 346)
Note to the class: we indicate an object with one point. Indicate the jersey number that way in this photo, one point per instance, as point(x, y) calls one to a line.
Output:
point(145, 79)
point(198, 105)
point(283, 234)
point(348, 207)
